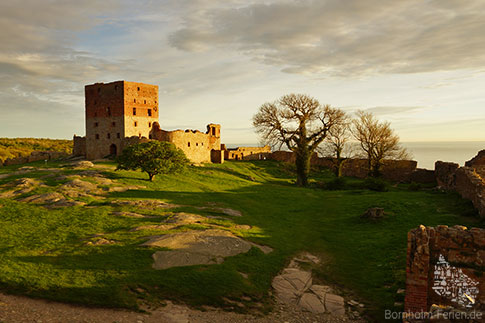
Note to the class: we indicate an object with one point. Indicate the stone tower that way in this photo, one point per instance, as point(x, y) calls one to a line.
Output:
point(117, 110)
point(214, 132)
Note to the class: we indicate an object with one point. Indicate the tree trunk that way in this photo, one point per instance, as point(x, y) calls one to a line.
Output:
point(151, 177)
point(302, 168)
point(340, 166)
point(369, 165)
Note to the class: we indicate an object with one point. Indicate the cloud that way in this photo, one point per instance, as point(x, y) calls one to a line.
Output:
point(345, 38)
point(387, 111)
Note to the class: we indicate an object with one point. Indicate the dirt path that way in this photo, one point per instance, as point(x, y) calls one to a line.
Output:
point(24, 309)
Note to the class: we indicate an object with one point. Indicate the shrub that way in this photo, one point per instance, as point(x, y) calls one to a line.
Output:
point(153, 158)
point(376, 184)
point(414, 186)
point(338, 183)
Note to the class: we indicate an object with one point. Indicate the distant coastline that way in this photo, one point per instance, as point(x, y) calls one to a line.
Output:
point(426, 153)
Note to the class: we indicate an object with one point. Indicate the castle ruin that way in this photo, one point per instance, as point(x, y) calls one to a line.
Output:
point(122, 113)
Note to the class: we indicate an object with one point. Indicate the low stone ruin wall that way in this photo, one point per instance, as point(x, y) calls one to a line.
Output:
point(423, 176)
point(477, 161)
point(466, 181)
point(79, 146)
point(393, 170)
point(445, 266)
point(35, 156)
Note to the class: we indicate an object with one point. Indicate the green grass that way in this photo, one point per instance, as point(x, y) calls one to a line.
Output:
point(43, 252)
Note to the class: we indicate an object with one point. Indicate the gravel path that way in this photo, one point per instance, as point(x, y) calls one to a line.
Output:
point(24, 309)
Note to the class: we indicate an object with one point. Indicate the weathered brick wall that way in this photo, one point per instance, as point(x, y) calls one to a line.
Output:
point(445, 266)
point(217, 156)
point(140, 108)
point(104, 118)
point(79, 146)
point(283, 156)
point(35, 156)
point(248, 153)
point(110, 115)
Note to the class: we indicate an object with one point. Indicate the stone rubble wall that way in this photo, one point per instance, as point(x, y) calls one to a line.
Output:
point(35, 156)
point(467, 181)
point(247, 153)
point(393, 170)
point(443, 264)
point(197, 146)
point(79, 146)
point(477, 161)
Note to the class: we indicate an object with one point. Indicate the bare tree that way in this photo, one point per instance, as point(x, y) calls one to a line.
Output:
point(377, 140)
point(337, 144)
point(301, 123)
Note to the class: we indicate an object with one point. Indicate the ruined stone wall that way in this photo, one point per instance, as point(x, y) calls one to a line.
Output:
point(214, 133)
point(445, 266)
point(217, 156)
point(196, 145)
point(248, 153)
point(471, 186)
point(477, 161)
point(423, 176)
point(283, 156)
point(79, 146)
point(466, 181)
point(35, 156)
point(445, 174)
point(393, 170)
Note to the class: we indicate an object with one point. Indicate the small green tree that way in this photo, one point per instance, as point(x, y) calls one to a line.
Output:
point(153, 157)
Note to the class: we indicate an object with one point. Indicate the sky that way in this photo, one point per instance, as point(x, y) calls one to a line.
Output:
point(419, 64)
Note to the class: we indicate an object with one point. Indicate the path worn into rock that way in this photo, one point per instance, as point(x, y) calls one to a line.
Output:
point(24, 309)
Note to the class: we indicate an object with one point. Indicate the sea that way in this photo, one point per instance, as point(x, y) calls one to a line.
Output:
point(426, 153)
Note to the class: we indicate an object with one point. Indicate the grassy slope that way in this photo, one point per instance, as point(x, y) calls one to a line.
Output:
point(42, 253)
point(21, 147)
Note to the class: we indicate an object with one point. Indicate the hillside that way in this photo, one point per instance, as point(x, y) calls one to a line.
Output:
point(84, 235)
point(21, 147)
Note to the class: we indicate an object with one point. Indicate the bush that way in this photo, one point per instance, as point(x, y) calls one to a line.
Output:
point(153, 158)
point(338, 183)
point(22, 147)
point(376, 184)
point(288, 168)
point(414, 186)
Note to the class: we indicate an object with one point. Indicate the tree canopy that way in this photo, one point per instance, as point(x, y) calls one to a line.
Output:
point(337, 145)
point(153, 157)
point(298, 122)
point(377, 140)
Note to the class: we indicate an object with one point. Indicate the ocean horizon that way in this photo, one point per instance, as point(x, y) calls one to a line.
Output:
point(426, 153)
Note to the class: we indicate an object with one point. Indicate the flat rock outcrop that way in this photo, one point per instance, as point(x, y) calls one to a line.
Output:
point(196, 248)
point(295, 286)
point(144, 204)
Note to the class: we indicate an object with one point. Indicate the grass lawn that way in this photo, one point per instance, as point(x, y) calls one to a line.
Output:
point(43, 254)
